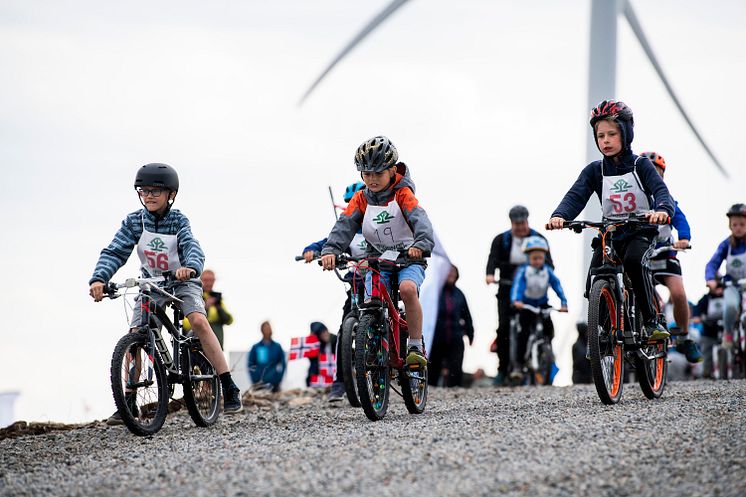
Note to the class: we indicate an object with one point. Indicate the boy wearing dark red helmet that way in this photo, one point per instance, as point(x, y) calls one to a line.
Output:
point(626, 185)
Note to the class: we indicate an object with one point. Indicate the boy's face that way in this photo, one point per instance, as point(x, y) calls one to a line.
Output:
point(608, 138)
point(738, 226)
point(155, 198)
point(536, 258)
point(377, 182)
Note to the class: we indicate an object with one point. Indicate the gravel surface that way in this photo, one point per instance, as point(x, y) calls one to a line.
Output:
point(526, 441)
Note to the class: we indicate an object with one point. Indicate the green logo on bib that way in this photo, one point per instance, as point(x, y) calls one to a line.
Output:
point(620, 186)
point(157, 245)
point(383, 218)
point(736, 263)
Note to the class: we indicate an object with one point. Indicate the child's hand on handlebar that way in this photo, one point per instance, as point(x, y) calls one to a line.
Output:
point(308, 256)
point(185, 273)
point(97, 291)
point(563, 308)
point(655, 217)
point(518, 304)
point(681, 244)
point(414, 253)
point(328, 261)
point(556, 223)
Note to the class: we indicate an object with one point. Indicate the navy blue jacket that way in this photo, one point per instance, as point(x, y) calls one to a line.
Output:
point(591, 180)
point(267, 365)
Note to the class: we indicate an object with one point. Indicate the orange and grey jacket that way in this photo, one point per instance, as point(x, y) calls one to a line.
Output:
point(402, 191)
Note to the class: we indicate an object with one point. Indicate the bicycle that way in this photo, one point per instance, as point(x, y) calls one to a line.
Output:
point(536, 363)
point(143, 371)
point(732, 360)
point(381, 345)
point(615, 330)
point(346, 347)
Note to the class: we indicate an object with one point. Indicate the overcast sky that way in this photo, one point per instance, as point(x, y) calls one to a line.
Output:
point(485, 102)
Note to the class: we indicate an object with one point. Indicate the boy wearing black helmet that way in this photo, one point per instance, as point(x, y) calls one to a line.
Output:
point(626, 185)
point(164, 242)
point(391, 219)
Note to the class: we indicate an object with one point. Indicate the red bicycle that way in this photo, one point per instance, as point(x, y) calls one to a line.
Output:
point(381, 346)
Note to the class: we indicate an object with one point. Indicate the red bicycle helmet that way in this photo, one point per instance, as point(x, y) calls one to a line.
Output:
point(655, 158)
point(611, 109)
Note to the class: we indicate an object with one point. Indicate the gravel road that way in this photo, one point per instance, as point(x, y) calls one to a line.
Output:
point(519, 442)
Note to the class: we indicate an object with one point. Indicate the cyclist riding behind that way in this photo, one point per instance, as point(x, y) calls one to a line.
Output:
point(666, 267)
point(164, 241)
point(356, 250)
point(732, 250)
point(391, 219)
point(625, 184)
point(531, 286)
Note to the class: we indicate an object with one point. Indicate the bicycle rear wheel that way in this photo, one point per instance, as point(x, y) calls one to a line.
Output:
point(371, 367)
point(414, 389)
point(201, 384)
point(347, 350)
point(139, 385)
point(606, 355)
point(652, 373)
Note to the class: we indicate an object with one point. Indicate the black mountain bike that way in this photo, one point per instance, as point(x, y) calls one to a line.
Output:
point(731, 361)
point(143, 371)
point(535, 365)
point(615, 328)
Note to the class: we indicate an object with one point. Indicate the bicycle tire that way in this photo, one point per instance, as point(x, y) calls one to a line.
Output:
point(371, 367)
point(145, 412)
point(347, 359)
point(414, 389)
point(652, 374)
point(543, 376)
point(606, 356)
point(201, 396)
point(723, 363)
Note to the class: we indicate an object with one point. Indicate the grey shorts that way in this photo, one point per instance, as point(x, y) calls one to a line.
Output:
point(189, 292)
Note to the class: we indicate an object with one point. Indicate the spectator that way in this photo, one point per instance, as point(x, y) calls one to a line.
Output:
point(506, 254)
point(217, 315)
point(328, 344)
point(453, 324)
point(267, 360)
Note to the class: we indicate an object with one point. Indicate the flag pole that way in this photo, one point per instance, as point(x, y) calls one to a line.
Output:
point(334, 205)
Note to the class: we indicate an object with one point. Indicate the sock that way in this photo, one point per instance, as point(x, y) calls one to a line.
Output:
point(227, 381)
point(415, 342)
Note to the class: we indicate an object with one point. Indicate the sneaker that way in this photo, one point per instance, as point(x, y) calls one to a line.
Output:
point(499, 380)
point(690, 350)
point(416, 359)
point(232, 401)
point(116, 418)
point(656, 332)
point(337, 393)
point(727, 340)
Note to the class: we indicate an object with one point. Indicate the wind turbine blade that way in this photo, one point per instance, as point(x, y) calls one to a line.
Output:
point(637, 30)
point(372, 25)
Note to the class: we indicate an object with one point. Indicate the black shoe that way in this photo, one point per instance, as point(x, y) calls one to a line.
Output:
point(371, 302)
point(232, 401)
point(115, 419)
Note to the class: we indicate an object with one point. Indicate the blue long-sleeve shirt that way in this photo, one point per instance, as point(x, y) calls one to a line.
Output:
point(679, 222)
point(518, 290)
point(720, 255)
point(266, 363)
point(172, 223)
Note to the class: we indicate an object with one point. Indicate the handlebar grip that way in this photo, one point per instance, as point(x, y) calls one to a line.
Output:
point(299, 258)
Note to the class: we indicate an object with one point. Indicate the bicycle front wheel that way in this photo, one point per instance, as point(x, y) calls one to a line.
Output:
point(652, 371)
point(606, 355)
point(371, 367)
point(347, 359)
point(138, 384)
point(201, 385)
point(414, 389)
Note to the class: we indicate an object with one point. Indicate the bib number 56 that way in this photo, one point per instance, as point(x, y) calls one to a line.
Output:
point(159, 261)
point(623, 204)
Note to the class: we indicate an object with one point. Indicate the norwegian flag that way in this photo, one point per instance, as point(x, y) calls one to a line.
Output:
point(321, 380)
point(301, 347)
point(328, 364)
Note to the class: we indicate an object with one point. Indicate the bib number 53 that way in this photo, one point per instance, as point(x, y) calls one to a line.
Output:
point(622, 204)
point(159, 261)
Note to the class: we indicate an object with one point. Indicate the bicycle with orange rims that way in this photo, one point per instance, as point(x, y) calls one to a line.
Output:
point(615, 327)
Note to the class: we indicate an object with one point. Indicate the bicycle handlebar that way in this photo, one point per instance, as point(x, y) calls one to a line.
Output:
point(111, 290)
point(668, 248)
point(539, 310)
point(633, 220)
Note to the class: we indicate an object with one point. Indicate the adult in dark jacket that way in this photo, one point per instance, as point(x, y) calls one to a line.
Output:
point(267, 360)
point(506, 255)
point(453, 324)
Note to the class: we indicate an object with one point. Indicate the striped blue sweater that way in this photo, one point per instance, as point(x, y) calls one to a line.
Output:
point(173, 223)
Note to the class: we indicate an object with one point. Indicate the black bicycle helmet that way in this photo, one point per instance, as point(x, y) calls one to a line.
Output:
point(157, 174)
point(737, 210)
point(376, 155)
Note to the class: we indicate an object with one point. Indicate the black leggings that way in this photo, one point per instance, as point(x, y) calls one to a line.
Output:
point(630, 250)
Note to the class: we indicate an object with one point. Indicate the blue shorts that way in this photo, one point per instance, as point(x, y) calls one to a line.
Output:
point(414, 273)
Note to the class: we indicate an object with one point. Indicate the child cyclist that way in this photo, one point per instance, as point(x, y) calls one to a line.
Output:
point(732, 250)
point(356, 250)
point(388, 198)
point(625, 184)
point(530, 287)
point(157, 227)
point(666, 267)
